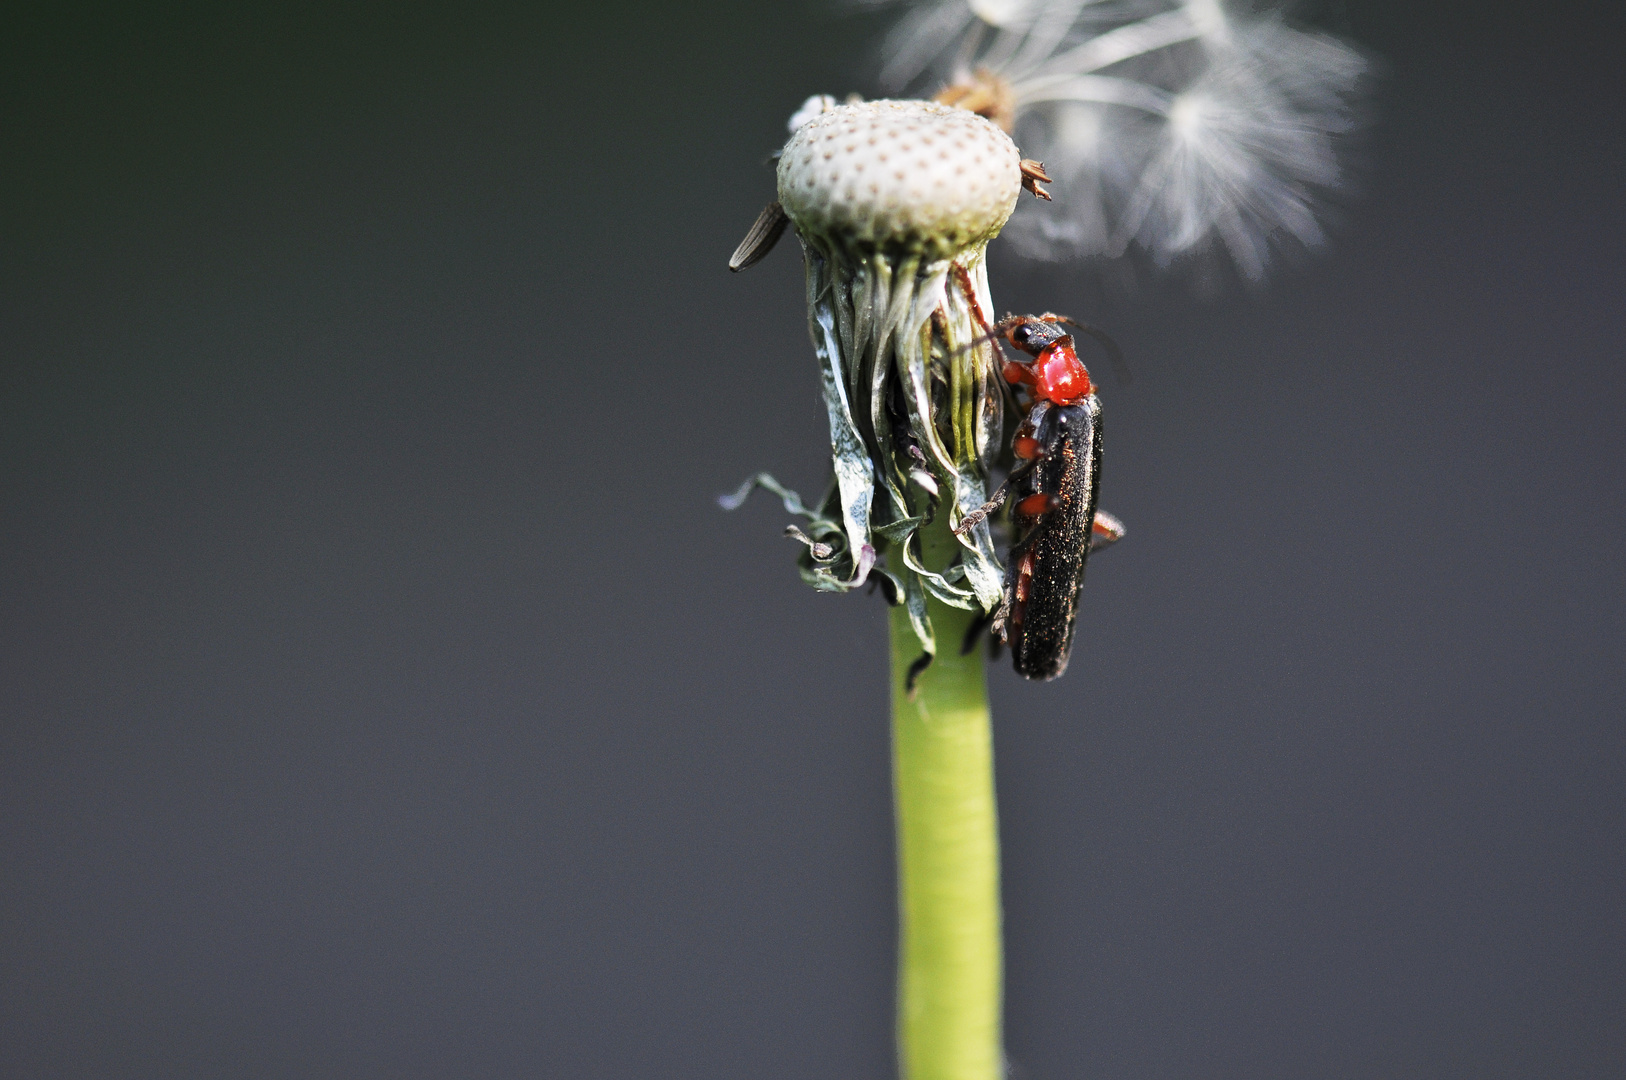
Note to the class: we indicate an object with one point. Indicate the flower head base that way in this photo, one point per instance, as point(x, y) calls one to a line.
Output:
point(1171, 125)
point(895, 202)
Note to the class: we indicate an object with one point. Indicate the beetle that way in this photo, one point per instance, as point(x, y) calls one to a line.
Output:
point(1056, 480)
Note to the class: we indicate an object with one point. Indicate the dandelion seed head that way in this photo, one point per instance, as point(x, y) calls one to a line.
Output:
point(1173, 126)
point(914, 173)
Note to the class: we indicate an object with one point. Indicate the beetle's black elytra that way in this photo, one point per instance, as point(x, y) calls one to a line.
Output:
point(1046, 568)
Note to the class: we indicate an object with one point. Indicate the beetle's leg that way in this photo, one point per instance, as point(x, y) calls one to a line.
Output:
point(976, 517)
point(1016, 404)
point(1106, 531)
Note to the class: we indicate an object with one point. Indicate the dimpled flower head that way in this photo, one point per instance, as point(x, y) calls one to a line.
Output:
point(906, 174)
point(894, 203)
point(1174, 126)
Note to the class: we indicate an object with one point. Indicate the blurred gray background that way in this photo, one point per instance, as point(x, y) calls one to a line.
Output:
point(382, 693)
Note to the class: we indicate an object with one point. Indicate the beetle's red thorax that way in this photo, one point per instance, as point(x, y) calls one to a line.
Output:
point(1059, 376)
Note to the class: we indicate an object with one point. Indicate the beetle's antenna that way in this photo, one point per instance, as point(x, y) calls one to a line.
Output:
point(994, 334)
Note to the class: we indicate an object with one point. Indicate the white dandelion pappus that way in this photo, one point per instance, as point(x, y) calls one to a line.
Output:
point(1173, 125)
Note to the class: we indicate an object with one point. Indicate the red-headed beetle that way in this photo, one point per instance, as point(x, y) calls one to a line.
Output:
point(1056, 480)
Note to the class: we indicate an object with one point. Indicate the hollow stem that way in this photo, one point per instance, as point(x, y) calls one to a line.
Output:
point(949, 957)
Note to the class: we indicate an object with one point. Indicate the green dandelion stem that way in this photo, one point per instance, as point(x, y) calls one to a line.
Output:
point(950, 958)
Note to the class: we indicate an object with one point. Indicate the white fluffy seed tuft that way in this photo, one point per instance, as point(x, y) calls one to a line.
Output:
point(909, 173)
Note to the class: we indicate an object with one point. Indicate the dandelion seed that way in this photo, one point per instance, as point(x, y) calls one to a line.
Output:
point(1175, 126)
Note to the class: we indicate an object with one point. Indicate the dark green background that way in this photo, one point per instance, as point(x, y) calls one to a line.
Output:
point(384, 695)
